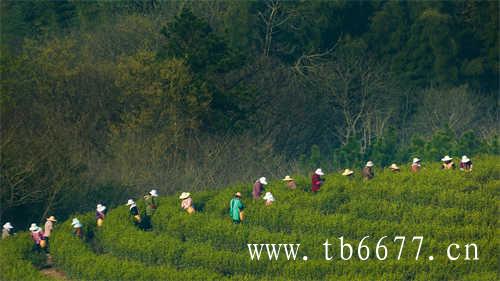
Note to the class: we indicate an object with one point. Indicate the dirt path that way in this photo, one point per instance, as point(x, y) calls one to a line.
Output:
point(55, 274)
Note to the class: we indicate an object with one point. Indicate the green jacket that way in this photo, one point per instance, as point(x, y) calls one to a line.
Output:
point(151, 204)
point(235, 207)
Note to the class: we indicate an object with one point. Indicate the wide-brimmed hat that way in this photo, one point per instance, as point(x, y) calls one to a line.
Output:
point(77, 225)
point(347, 172)
point(129, 202)
point(416, 160)
point(51, 218)
point(153, 193)
point(101, 208)
point(238, 194)
point(184, 195)
point(263, 180)
point(369, 164)
point(7, 225)
point(319, 172)
point(465, 159)
point(288, 178)
point(268, 196)
point(446, 158)
point(75, 221)
point(394, 166)
point(34, 227)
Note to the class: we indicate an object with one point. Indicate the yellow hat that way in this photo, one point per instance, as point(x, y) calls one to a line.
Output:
point(184, 195)
point(347, 172)
point(288, 178)
point(238, 194)
point(394, 166)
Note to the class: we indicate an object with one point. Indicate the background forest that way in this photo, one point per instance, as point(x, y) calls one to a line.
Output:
point(105, 100)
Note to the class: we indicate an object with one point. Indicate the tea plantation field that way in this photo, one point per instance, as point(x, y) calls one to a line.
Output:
point(444, 207)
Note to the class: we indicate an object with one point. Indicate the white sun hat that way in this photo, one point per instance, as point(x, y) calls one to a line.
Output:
point(369, 164)
point(394, 166)
point(130, 202)
point(446, 158)
point(465, 159)
point(7, 225)
point(75, 221)
point(101, 208)
point(154, 193)
point(34, 227)
point(77, 225)
point(319, 172)
point(416, 160)
point(263, 180)
point(347, 172)
point(269, 197)
point(184, 195)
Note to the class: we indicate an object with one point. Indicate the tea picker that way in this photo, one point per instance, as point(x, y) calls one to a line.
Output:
point(151, 206)
point(316, 180)
point(447, 163)
point(134, 211)
point(49, 225)
point(37, 236)
point(236, 209)
point(187, 202)
point(100, 214)
point(77, 228)
point(290, 182)
point(465, 164)
point(269, 198)
point(367, 172)
point(415, 165)
point(258, 188)
point(7, 230)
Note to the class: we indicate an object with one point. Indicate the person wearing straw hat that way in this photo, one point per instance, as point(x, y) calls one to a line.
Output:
point(290, 182)
point(100, 213)
point(447, 163)
point(187, 202)
point(236, 208)
point(367, 172)
point(7, 230)
point(316, 180)
point(269, 198)
point(134, 211)
point(465, 164)
point(37, 236)
point(394, 168)
point(258, 187)
point(49, 226)
point(348, 173)
point(151, 202)
point(415, 165)
point(77, 228)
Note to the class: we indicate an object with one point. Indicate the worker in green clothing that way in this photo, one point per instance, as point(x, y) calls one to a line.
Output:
point(236, 209)
point(151, 205)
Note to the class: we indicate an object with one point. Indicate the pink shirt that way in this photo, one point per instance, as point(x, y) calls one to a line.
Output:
point(37, 236)
point(186, 203)
point(48, 228)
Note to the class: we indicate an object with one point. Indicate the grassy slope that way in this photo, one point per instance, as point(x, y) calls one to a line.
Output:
point(443, 206)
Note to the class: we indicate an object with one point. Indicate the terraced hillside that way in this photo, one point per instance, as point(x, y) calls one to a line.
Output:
point(444, 207)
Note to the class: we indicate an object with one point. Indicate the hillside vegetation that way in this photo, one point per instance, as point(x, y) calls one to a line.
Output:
point(442, 206)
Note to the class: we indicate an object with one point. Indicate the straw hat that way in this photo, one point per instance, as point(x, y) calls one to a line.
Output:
point(101, 208)
point(34, 228)
point(446, 158)
point(394, 166)
point(153, 193)
point(51, 218)
point(77, 225)
point(319, 172)
point(465, 159)
point(184, 195)
point(416, 160)
point(288, 178)
point(263, 180)
point(269, 196)
point(75, 221)
point(369, 164)
point(238, 194)
point(347, 172)
point(7, 225)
